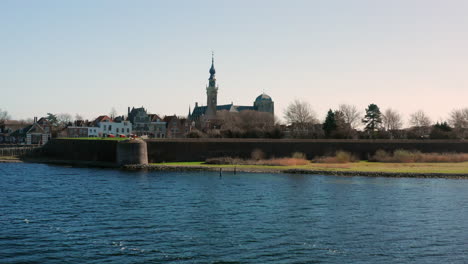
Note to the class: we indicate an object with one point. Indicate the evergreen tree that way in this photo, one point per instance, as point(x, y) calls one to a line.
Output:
point(343, 128)
point(52, 119)
point(373, 118)
point(330, 124)
point(443, 126)
point(442, 131)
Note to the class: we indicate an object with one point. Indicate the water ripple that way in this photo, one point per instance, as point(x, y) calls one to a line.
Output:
point(53, 214)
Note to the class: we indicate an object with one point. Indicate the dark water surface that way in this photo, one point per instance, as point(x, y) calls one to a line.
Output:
point(54, 214)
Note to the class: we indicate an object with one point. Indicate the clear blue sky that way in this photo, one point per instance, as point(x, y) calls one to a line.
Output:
point(88, 56)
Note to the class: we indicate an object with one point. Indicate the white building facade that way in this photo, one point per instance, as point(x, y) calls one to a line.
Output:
point(114, 128)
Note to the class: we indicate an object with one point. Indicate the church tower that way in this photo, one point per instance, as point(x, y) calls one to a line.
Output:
point(211, 93)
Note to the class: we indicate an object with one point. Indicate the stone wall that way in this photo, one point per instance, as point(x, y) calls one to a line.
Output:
point(200, 149)
point(81, 150)
point(170, 150)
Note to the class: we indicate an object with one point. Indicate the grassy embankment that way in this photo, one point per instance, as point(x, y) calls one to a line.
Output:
point(398, 162)
point(9, 159)
point(362, 166)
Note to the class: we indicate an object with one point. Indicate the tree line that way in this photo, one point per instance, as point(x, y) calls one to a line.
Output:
point(345, 122)
point(348, 122)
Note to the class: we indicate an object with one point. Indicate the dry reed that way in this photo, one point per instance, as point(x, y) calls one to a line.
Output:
point(405, 156)
point(339, 157)
point(257, 159)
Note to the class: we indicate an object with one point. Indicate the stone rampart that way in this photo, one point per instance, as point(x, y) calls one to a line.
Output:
point(170, 150)
point(81, 150)
point(130, 152)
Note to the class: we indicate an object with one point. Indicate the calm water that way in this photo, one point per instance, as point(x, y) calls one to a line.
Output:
point(54, 214)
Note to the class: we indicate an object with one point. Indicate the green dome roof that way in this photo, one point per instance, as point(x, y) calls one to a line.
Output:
point(263, 97)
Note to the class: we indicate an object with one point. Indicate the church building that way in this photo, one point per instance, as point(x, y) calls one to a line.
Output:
point(263, 103)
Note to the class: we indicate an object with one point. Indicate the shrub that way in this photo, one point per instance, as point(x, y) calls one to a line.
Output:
point(276, 132)
point(214, 134)
point(406, 156)
point(223, 161)
point(381, 155)
point(270, 162)
point(339, 157)
point(344, 157)
point(299, 155)
point(401, 155)
point(257, 154)
point(195, 134)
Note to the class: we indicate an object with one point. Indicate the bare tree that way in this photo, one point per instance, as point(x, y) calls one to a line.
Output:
point(243, 124)
point(113, 113)
point(27, 121)
point(420, 119)
point(421, 124)
point(63, 119)
point(459, 121)
point(351, 115)
point(459, 118)
point(392, 120)
point(4, 115)
point(300, 113)
point(246, 121)
point(78, 117)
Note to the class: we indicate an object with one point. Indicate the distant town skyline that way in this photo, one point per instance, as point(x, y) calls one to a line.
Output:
point(86, 57)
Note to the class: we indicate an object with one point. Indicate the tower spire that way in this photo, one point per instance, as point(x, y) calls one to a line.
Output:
point(212, 69)
point(211, 92)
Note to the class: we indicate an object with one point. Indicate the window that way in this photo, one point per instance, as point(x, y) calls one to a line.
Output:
point(128, 130)
point(117, 130)
point(110, 127)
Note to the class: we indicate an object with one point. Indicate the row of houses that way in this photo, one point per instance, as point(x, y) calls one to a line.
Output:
point(19, 132)
point(137, 122)
point(101, 127)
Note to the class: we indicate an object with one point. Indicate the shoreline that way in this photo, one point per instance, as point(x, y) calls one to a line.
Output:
point(242, 169)
point(11, 161)
point(221, 169)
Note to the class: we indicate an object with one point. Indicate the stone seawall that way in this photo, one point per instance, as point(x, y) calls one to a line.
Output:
point(171, 150)
point(81, 150)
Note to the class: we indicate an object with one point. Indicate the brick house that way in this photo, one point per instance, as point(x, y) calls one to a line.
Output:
point(177, 127)
point(144, 124)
